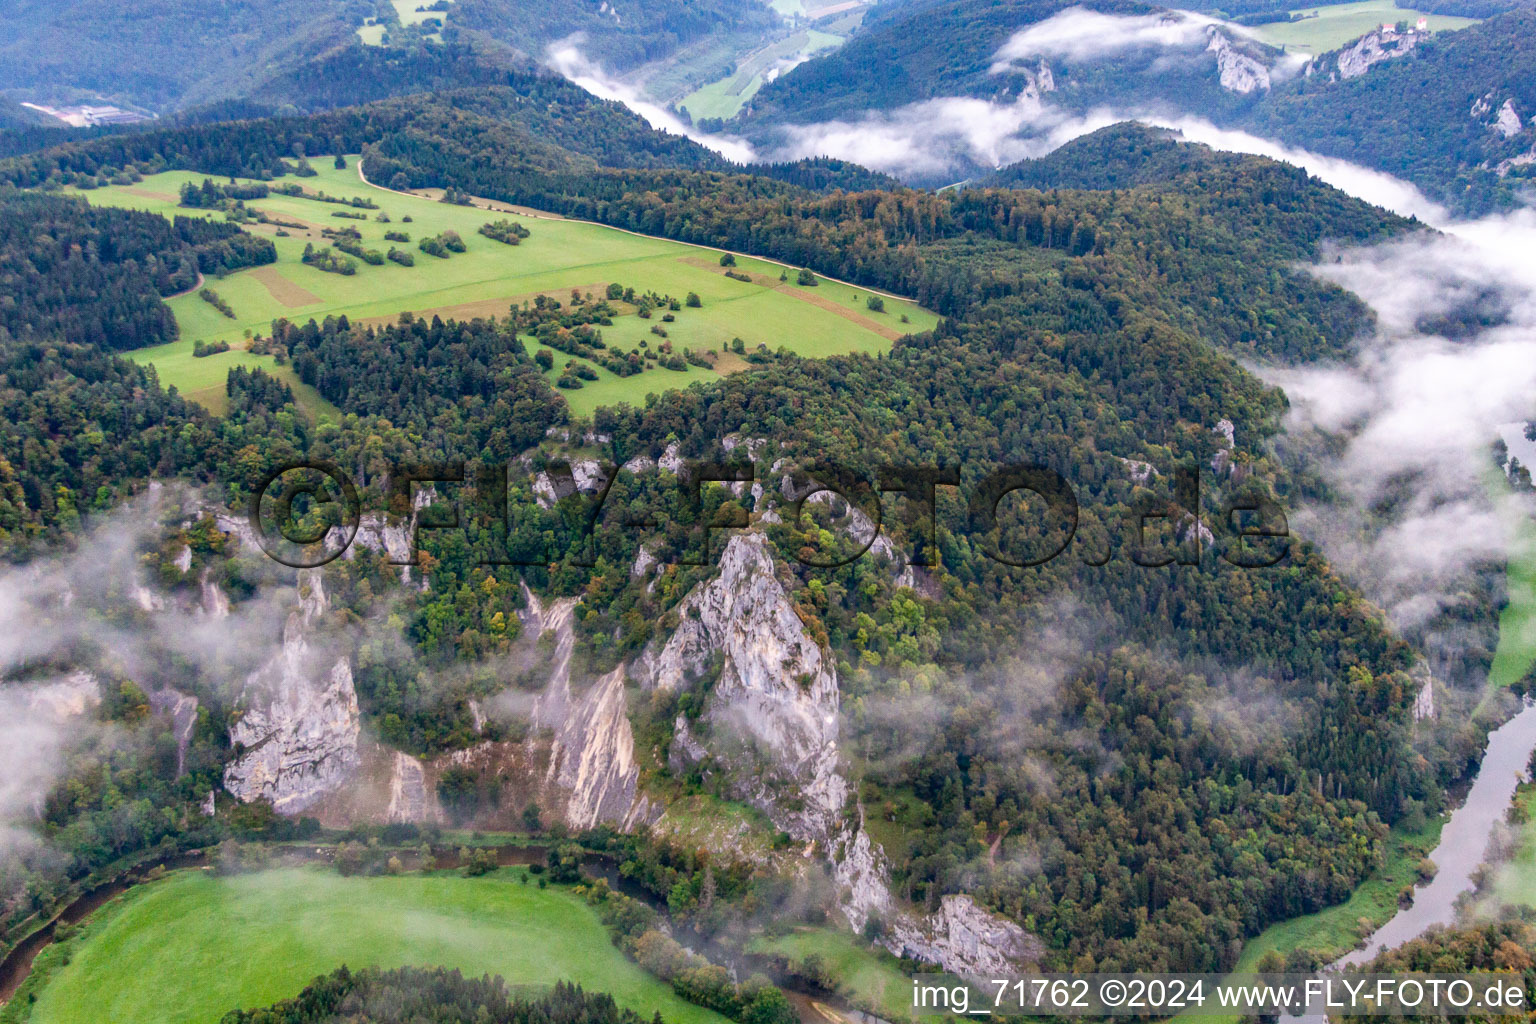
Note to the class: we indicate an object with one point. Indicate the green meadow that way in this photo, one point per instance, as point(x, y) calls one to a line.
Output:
point(1517, 623)
point(725, 97)
point(828, 319)
point(1328, 28)
point(867, 977)
point(190, 948)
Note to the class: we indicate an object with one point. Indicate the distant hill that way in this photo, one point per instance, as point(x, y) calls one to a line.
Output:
point(618, 36)
point(170, 54)
point(1123, 155)
point(920, 51)
point(1453, 114)
point(163, 53)
point(1444, 117)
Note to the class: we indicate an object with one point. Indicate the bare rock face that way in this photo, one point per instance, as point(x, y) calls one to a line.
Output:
point(1240, 72)
point(299, 729)
point(776, 694)
point(962, 938)
point(1508, 123)
point(1373, 48)
point(859, 869)
point(592, 754)
point(593, 757)
point(213, 602)
point(181, 709)
point(408, 799)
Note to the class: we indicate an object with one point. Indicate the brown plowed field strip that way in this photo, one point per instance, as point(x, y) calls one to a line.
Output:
point(284, 290)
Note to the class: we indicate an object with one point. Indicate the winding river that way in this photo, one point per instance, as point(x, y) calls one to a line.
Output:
point(1464, 840)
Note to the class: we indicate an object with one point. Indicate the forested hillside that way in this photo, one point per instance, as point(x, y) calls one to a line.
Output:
point(1430, 117)
point(163, 53)
point(1453, 116)
point(1084, 329)
point(919, 52)
point(1121, 156)
point(618, 39)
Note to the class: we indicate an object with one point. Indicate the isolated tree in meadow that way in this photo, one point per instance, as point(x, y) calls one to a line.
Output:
point(727, 260)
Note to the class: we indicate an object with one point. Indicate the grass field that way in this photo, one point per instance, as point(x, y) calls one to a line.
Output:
point(1517, 625)
point(1514, 881)
point(869, 978)
point(560, 255)
point(190, 948)
point(1328, 28)
point(725, 97)
point(406, 11)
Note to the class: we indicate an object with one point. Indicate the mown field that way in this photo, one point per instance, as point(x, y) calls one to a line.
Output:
point(559, 255)
point(188, 949)
point(1328, 28)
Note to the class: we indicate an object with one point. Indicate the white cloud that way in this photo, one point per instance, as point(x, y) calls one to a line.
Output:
point(930, 139)
point(1079, 34)
point(566, 58)
point(1417, 412)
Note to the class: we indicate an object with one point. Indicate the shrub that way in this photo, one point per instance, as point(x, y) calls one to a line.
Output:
point(875, 304)
point(805, 277)
point(694, 302)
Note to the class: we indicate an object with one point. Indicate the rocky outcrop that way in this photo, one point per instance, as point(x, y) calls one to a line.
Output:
point(181, 709)
point(298, 728)
point(1240, 72)
point(773, 713)
point(64, 699)
point(213, 602)
point(963, 938)
point(592, 752)
point(408, 798)
point(860, 871)
point(593, 757)
point(1507, 123)
point(1371, 49)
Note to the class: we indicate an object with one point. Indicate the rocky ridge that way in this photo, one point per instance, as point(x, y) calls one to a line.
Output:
point(299, 727)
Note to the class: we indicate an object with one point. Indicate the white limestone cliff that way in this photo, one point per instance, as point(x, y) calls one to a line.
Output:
point(299, 724)
point(408, 797)
point(963, 938)
point(1240, 72)
point(181, 709)
point(1371, 49)
point(776, 698)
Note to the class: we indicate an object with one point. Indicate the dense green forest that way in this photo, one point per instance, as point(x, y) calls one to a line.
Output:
point(617, 41)
point(1123, 155)
point(1153, 822)
point(160, 52)
point(408, 995)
